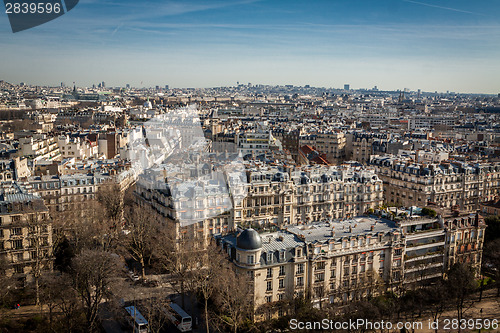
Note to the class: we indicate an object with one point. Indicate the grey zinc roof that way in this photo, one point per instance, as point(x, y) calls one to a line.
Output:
point(321, 232)
point(279, 241)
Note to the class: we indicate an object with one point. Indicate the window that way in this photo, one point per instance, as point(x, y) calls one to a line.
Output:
point(269, 299)
point(282, 270)
point(282, 255)
point(300, 281)
point(280, 298)
point(319, 277)
point(269, 257)
point(332, 274)
point(238, 257)
point(19, 269)
point(269, 273)
point(250, 259)
point(282, 283)
point(300, 268)
point(269, 286)
point(299, 252)
point(16, 231)
point(18, 244)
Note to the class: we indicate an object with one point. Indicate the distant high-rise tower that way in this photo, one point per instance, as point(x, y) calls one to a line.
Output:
point(347, 87)
point(166, 87)
point(127, 86)
point(103, 84)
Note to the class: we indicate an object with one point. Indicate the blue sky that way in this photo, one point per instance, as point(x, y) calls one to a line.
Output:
point(431, 45)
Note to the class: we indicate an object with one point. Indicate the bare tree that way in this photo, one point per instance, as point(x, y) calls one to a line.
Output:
point(5, 282)
point(85, 228)
point(491, 261)
point(207, 277)
point(437, 299)
point(143, 227)
point(155, 308)
point(58, 294)
point(92, 272)
point(461, 283)
point(110, 196)
point(233, 297)
point(40, 249)
point(181, 257)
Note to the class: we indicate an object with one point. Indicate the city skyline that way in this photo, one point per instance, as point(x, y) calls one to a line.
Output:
point(436, 46)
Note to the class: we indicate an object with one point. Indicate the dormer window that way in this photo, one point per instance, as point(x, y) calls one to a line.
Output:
point(269, 257)
point(282, 255)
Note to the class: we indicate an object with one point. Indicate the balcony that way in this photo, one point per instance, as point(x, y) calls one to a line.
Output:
point(423, 267)
point(424, 246)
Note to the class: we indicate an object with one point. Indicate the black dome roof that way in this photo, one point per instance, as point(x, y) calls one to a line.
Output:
point(249, 239)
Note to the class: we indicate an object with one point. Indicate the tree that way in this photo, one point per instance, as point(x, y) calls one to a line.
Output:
point(155, 308)
point(207, 277)
point(58, 294)
point(39, 231)
point(5, 282)
point(232, 297)
point(92, 272)
point(110, 197)
point(428, 212)
point(491, 261)
point(436, 297)
point(492, 231)
point(461, 283)
point(181, 256)
point(143, 226)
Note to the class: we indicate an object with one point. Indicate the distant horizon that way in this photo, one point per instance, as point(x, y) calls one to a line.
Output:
point(444, 45)
point(66, 85)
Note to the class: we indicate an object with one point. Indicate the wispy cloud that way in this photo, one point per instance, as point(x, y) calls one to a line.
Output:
point(442, 7)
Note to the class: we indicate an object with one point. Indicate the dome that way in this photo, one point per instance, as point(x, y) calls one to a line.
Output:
point(249, 239)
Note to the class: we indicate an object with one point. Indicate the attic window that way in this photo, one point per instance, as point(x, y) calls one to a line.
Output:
point(282, 255)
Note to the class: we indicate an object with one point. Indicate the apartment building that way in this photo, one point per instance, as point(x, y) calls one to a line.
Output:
point(336, 262)
point(347, 260)
point(360, 145)
point(332, 144)
point(25, 233)
point(454, 185)
point(255, 143)
point(40, 147)
point(77, 147)
point(14, 169)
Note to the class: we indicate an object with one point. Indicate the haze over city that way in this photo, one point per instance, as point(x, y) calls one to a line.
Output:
point(433, 46)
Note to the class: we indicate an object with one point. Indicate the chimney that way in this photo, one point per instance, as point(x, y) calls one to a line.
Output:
point(372, 227)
